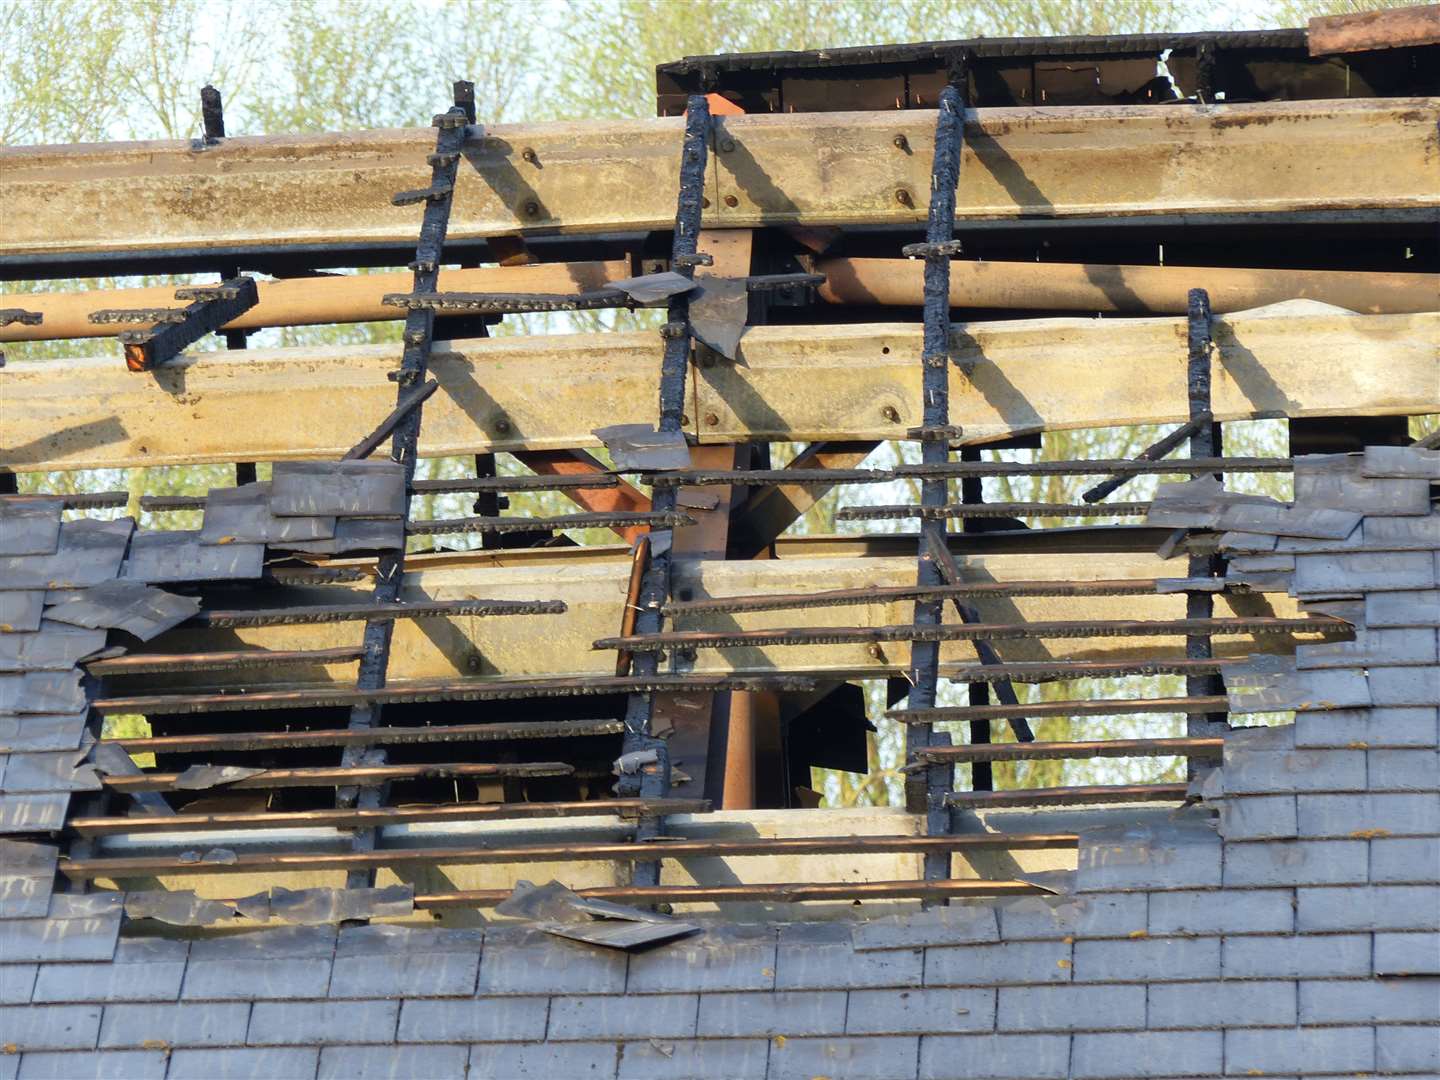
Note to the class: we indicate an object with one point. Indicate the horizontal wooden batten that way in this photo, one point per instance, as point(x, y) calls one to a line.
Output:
point(574, 851)
point(1073, 751)
point(805, 168)
point(527, 648)
point(812, 383)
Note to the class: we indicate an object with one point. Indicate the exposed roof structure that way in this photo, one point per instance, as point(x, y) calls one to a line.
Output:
point(373, 711)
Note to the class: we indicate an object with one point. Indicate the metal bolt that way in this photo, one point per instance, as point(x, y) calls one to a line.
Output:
point(502, 426)
point(711, 420)
point(901, 143)
point(902, 196)
point(876, 653)
point(727, 145)
point(731, 200)
point(532, 208)
point(890, 413)
point(473, 662)
point(529, 155)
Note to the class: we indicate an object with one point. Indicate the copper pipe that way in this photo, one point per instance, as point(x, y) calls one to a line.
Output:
point(329, 777)
point(1151, 290)
point(775, 893)
point(1073, 751)
point(342, 298)
point(127, 866)
point(639, 560)
point(402, 815)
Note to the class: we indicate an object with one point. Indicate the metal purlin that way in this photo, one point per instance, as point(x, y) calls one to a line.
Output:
point(938, 248)
point(418, 339)
point(653, 780)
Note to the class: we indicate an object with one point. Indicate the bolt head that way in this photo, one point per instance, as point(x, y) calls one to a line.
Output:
point(502, 426)
point(727, 146)
point(711, 420)
point(890, 413)
point(731, 200)
point(532, 208)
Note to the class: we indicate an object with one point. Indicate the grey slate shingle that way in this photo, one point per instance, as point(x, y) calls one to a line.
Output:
point(1147, 959)
point(94, 1065)
point(956, 924)
point(1257, 817)
point(1183, 854)
point(1404, 770)
point(63, 939)
point(1009, 962)
point(1147, 1053)
point(1407, 954)
point(1342, 815)
point(1373, 727)
point(1406, 1049)
point(721, 959)
point(882, 1058)
point(662, 1016)
point(786, 1012)
point(497, 1019)
point(532, 962)
point(941, 1010)
point(1297, 862)
point(16, 982)
point(1366, 1001)
point(1059, 1008)
point(1375, 907)
point(421, 974)
point(1287, 957)
point(50, 1027)
point(1227, 1004)
point(435, 1062)
point(819, 956)
point(321, 1023)
point(1405, 859)
point(245, 1063)
point(183, 1024)
point(545, 1061)
point(243, 978)
point(680, 1059)
point(1233, 911)
point(994, 1057)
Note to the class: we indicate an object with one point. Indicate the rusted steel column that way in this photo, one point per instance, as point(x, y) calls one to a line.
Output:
point(1155, 290)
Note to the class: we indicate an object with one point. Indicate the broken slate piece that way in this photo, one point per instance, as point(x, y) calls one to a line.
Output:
point(41, 692)
point(556, 903)
point(38, 773)
point(131, 606)
point(1335, 482)
point(640, 448)
point(200, 777)
point(27, 874)
point(316, 906)
point(29, 526)
point(719, 311)
point(615, 934)
point(1196, 504)
point(1271, 683)
point(53, 648)
point(42, 812)
point(351, 534)
point(649, 288)
point(355, 488)
point(20, 611)
point(1401, 462)
point(110, 759)
point(242, 516)
point(89, 552)
point(179, 556)
point(177, 908)
point(57, 731)
point(1321, 523)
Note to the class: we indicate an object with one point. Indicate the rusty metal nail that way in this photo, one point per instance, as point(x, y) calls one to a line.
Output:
point(532, 208)
point(711, 419)
point(902, 197)
point(731, 200)
point(890, 413)
point(876, 653)
point(529, 155)
point(901, 143)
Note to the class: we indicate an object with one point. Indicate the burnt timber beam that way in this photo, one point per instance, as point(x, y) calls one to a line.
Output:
point(305, 301)
point(803, 383)
point(1130, 161)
